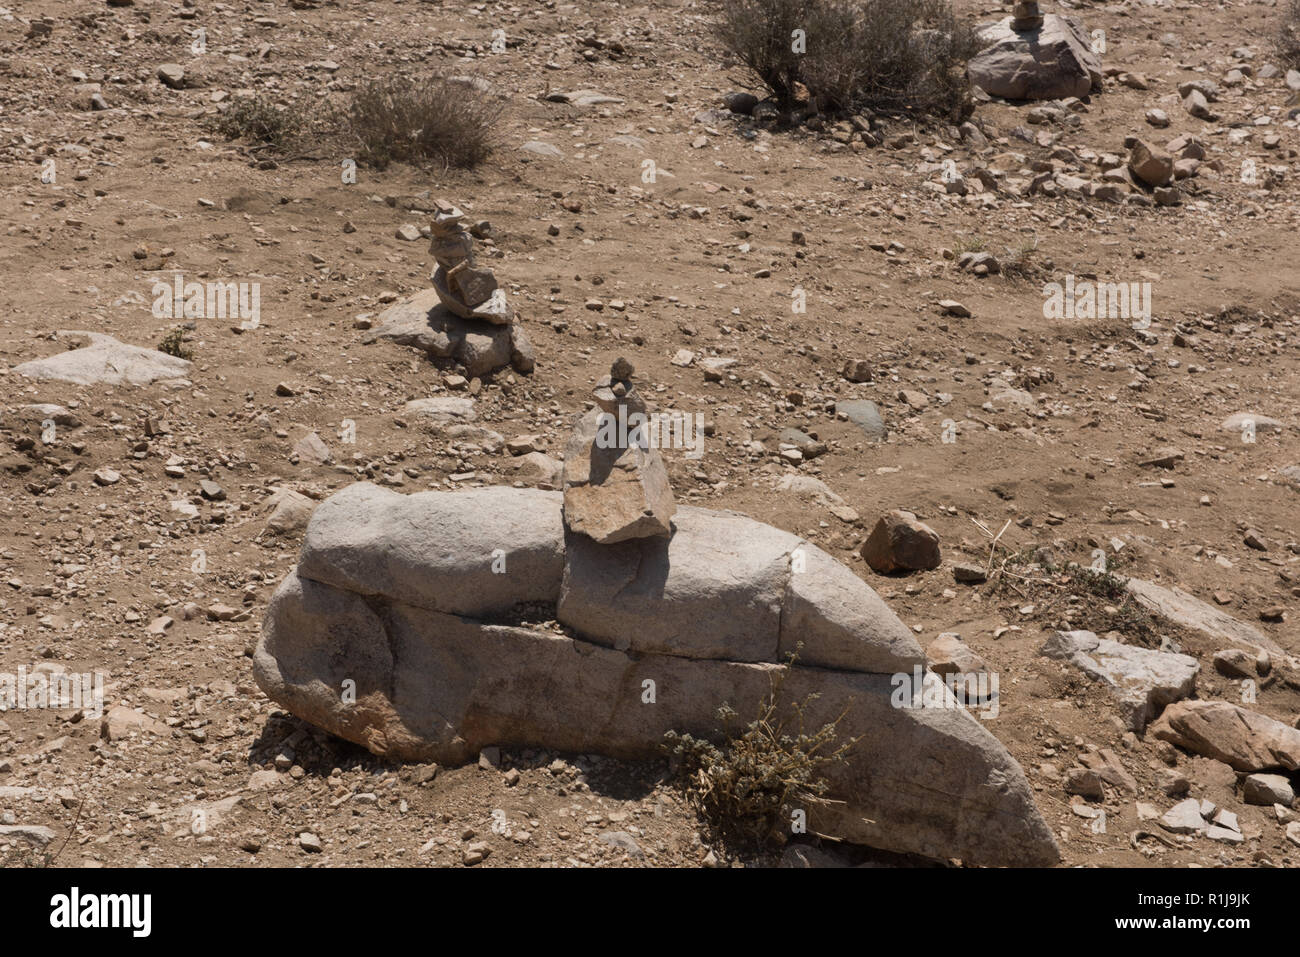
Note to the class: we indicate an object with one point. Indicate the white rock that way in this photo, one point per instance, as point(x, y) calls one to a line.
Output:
point(1143, 680)
point(106, 361)
point(1184, 818)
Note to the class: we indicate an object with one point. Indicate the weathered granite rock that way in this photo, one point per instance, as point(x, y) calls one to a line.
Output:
point(1184, 818)
point(442, 410)
point(1268, 789)
point(1235, 663)
point(40, 413)
point(539, 469)
point(1143, 680)
point(865, 414)
point(1051, 62)
point(1150, 164)
point(706, 592)
point(1106, 764)
point(725, 587)
point(384, 654)
point(489, 550)
point(290, 511)
point(949, 655)
point(1244, 740)
point(1190, 612)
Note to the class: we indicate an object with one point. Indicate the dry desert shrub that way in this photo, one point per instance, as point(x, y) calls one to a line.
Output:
point(440, 118)
point(257, 119)
point(1288, 35)
point(879, 54)
point(175, 344)
point(746, 788)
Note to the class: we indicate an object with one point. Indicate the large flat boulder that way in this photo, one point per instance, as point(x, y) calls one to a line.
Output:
point(708, 592)
point(395, 633)
point(477, 552)
point(1052, 62)
point(104, 360)
point(416, 685)
point(727, 587)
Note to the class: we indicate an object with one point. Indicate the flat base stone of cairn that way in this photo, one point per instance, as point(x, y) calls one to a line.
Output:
point(1049, 62)
point(423, 322)
point(613, 494)
point(615, 486)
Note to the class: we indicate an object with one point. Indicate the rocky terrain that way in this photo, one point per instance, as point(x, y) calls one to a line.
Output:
point(878, 320)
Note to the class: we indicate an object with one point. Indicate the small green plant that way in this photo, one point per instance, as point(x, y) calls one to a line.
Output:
point(257, 118)
point(1099, 598)
point(446, 119)
point(174, 344)
point(745, 788)
point(28, 857)
point(969, 244)
point(1097, 582)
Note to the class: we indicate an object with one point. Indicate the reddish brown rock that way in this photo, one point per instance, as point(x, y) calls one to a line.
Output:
point(1244, 740)
point(901, 542)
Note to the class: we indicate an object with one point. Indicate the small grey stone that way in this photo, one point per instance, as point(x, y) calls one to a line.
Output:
point(622, 841)
point(1184, 818)
point(969, 574)
point(865, 414)
point(1268, 789)
point(172, 75)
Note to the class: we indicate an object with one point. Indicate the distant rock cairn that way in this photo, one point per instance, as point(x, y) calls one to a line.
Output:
point(466, 288)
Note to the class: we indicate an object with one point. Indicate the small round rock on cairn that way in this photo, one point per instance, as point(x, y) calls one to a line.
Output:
point(615, 485)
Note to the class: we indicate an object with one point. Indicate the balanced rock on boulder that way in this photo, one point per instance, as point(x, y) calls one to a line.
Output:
point(615, 484)
point(1034, 57)
point(398, 630)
